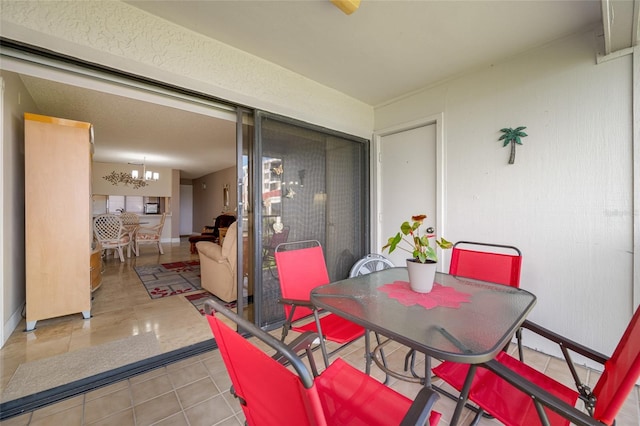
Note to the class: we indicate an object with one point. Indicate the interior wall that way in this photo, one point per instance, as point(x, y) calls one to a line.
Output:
point(163, 187)
point(16, 102)
point(208, 198)
point(567, 200)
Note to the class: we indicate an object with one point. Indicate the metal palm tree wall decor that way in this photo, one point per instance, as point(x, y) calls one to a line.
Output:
point(512, 136)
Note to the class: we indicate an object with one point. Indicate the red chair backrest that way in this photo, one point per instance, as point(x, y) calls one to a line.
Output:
point(274, 395)
point(621, 372)
point(486, 266)
point(300, 271)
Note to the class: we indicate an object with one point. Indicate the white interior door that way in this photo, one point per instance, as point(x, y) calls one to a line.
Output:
point(407, 182)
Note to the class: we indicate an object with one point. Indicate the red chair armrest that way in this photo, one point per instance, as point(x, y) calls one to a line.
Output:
point(539, 394)
point(297, 302)
point(421, 409)
point(565, 342)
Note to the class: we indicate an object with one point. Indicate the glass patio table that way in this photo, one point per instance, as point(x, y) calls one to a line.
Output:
point(461, 320)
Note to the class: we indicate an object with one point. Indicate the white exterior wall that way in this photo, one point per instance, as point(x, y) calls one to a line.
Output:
point(567, 200)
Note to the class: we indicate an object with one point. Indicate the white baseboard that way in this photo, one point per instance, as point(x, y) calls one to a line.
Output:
point(11, 325)
point(170, 240)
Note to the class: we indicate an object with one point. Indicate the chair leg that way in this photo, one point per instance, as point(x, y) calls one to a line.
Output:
point(160, 248)
point(519, 339)
point(383, 359)
point(119, 250)
point(323, 347)
point(368, 358)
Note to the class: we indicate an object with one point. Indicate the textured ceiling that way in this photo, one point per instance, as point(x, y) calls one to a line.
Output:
point(386, 48)
point(130, 130)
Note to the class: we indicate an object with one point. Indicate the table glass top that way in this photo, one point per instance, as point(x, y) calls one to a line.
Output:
point(473, 332)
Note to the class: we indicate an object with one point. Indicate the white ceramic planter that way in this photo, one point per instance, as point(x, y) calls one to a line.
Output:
point(421, 275)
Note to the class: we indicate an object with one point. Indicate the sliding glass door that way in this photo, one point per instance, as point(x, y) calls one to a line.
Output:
point(310, 184)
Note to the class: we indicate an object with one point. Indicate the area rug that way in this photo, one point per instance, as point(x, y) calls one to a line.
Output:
point(168, 279)
point(36, 376)
point(198, 299)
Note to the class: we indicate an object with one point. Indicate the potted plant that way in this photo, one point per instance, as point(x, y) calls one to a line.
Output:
point(422, 265)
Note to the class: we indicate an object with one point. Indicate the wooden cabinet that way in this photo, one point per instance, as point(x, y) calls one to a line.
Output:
point(58, 228)
point(96, 267)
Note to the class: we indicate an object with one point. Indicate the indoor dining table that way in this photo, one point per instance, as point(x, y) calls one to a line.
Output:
point(460, 320)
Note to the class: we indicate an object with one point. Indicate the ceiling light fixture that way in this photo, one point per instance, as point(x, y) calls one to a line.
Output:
point(146, 174)
point(347, 6)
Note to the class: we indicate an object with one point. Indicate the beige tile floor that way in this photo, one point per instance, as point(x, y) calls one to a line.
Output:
point(121, 308)
point(194, 391)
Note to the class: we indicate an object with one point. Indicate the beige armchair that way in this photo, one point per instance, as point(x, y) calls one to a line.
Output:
point(218, 265)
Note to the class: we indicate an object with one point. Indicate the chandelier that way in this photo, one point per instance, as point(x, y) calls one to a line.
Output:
point(146, 174)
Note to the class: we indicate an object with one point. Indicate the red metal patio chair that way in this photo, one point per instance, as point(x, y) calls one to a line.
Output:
point(271, 394)
point(301, 268)
point(494, 263)
point(517, 394)
point(482, 261)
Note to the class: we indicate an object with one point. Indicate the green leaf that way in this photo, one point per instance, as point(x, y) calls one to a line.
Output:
point(431, 254)
point(506, 130)
point(393, 242)
point(444, 244)
point(506, 142)
point(503, 137)
point(406, 228)
point(520, 128)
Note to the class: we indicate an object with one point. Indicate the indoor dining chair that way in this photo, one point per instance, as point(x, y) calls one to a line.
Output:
point(517, 394)
point(130, 222)
point(150, 235)
point(269, 393)
point(301, 267)
point(109, 231)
